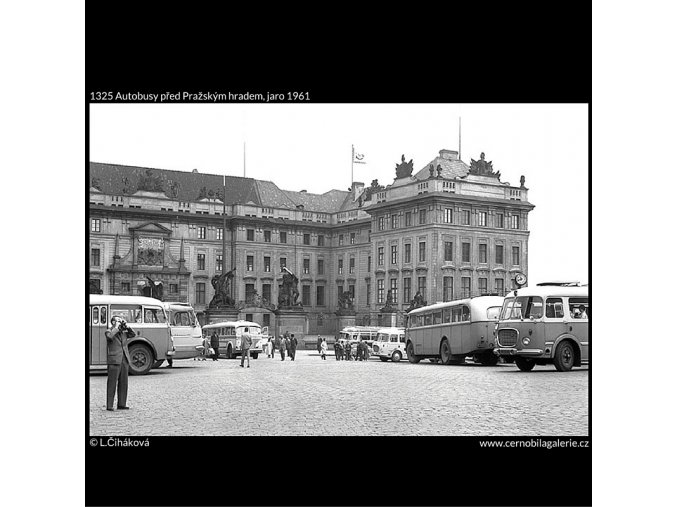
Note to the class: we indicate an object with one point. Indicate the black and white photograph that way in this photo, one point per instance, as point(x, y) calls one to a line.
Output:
point(370, 270)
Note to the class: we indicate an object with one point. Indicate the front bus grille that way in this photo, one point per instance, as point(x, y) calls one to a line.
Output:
point(507, 337)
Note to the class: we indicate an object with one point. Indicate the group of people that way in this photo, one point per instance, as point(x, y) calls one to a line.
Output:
point(286, 345)
point(345, 351)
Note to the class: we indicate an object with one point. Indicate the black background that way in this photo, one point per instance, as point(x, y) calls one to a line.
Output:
point(516, 54)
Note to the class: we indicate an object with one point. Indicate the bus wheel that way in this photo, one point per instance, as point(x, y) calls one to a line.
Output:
point(445, 352)
point(489, 359)
point(384, 359)
point(524, 363)
point(142, 359)
point(397, 355)
point(229, 352)
point(157, 364)
point(255, 355)
point(564, 356)
point(410, 354)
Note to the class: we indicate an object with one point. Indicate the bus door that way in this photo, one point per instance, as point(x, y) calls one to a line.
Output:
point(534, 327)
point(579, 312)
point(556, 321)
point(182, 325)
point(98, 348)
point(427, 334)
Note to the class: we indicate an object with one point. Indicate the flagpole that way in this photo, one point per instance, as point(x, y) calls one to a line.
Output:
point(352, 162)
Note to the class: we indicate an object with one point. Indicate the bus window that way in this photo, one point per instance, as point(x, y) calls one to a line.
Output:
point(103, 316)
point(413, 321)
point(466, 314)
point(554, 308)
point(493, 312)
point(428, 319)
point(131, 313)
point(154, 315)
point(402, 338)
point(579, 308)
point(446, 318)
point(456, 314)
point(534, 308)
point(437, 318)
point(95, 315)
point(393, 338)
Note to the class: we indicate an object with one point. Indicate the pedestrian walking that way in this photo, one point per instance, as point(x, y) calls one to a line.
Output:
point(319, 343)
point(293, 342)
point(272, 346)
point(246, 345)
point(206, 345)
point(118, 362)
point(338, 350)
point(347, 350)
point(281, 346)
point(323, 349)
point(215, 345)
point(287, 344)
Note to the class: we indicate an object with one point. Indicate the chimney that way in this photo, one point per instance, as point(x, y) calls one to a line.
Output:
point(449, 154)
point(358, 188)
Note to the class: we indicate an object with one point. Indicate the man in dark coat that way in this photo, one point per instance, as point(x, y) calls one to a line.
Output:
point(118, 362)
point(281, 346)
point(338, 350)
point(293, 342)
point(215, 345)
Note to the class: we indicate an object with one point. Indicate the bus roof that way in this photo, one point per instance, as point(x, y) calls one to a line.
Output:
point(231, 323)
point(474, 302)
point(170, 304)
point(102, 299)
point(391, 330)
point(550, 290)
point(357, 329)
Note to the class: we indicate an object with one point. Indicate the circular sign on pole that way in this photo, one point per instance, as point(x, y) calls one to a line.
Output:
point(520, 279)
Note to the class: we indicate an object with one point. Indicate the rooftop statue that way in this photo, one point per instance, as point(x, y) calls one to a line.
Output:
point(404, 169)
point(482, 167)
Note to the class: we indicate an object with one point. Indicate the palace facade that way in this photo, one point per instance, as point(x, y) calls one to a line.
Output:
point(449, 230)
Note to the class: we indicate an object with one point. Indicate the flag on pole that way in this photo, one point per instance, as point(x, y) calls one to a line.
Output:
point(358, 158)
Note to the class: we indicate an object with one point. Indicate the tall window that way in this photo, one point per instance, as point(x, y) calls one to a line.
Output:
point(340, 266)
point(200, 261)
point(448, 215)
point(351, 268)
point(381, 223)
point(393, 289)
point(250, 263)
point(127, 287)
point(422, 281)
point(448, 288)
point(407, 219)
point(266, 236)
point(422, 216)
point(266, 320)
point(380, 284)
point(266, 264)
point(465, 286)
point(351, 291)
point(96, 225)
point(219, 262)
point(340, 239)
point(482, 285)
point(320, 240)
point(306, 239)
point(319, 292)
point(320, 266)
point(380, 256)
point(465, 253)
point(96, 257)
point(466, 217)
point(515, 255)
point(449, 251)
point(352, 238)
point(421, 251)
point(514, 222)
point(368, 293)
point(219, 233)
point(283, 263)
point(249, 293)
point(394, 221)
point(499, 221)
point(201, 232)
point(266, 292)
point(499, 284)
point(393, 254)
point(407, 252)
point(250, 234)
point(305, 295)
point(283, 237)
point(369, 264)
point(483, 252)
point(499, 254)
point(407, 289)
point(306, 266)
point(200, 293)
point(482, 219)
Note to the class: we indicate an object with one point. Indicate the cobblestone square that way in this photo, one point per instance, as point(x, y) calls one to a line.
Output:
point(310, 396)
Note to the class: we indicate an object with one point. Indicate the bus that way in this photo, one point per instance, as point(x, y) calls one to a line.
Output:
point(185, 329)
point(453, 330)
point(353, 334)
point(147, 318)
point(230, 333)
point(390, 344)
point(547, 324)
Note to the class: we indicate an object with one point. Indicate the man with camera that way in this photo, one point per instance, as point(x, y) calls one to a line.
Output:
point(118, 362)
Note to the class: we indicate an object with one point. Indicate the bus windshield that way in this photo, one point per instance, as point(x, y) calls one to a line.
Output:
point(522, 307)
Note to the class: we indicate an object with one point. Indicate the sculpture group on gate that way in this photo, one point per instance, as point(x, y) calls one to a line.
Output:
point(289, 292)
point(221, 284)
point(345, 304)
point(417, 302)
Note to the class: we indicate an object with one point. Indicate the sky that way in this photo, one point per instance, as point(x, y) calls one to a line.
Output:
point(308, 147)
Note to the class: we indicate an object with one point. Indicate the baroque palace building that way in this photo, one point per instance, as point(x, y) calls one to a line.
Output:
point(448, 230)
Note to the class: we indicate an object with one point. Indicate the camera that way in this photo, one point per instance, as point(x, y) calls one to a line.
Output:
point(123, 325)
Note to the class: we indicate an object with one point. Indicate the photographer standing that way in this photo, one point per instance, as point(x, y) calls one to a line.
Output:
point(118, 362)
